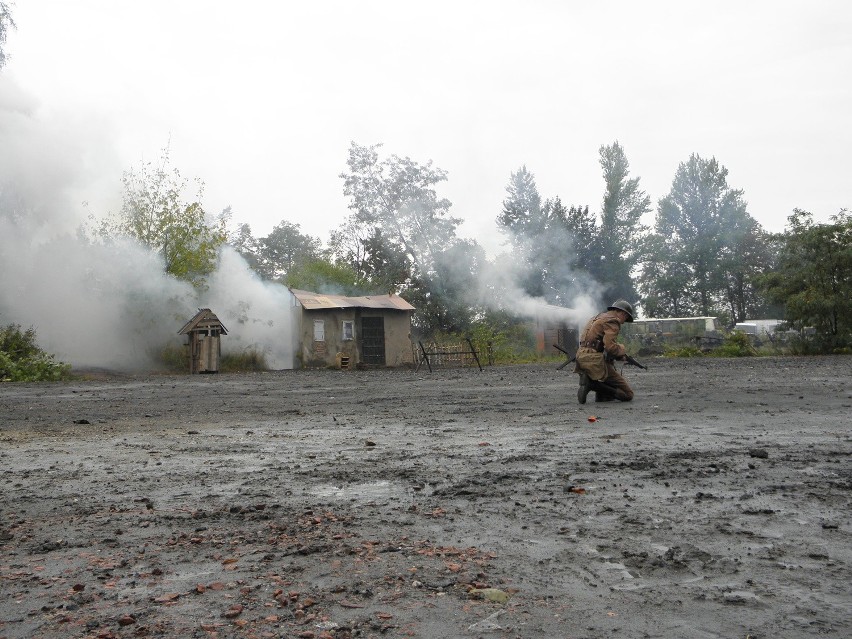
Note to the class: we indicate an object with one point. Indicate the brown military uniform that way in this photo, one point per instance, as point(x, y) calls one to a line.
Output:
point(598, 347)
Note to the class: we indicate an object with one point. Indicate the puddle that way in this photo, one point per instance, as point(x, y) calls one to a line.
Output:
point(368, 491)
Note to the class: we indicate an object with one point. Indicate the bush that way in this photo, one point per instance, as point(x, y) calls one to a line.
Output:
point(686, 351)
point(508, 345)
point(737, 344)
point(248, 360)
point(21, 360)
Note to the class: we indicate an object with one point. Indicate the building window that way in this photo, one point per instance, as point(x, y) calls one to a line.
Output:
point(319, 330)
point(348, 330)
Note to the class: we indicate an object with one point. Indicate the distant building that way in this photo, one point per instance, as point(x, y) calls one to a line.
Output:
point(344, 331)
point(672, 326)
point(759, 327)
point(553, 326)
point(653, 335)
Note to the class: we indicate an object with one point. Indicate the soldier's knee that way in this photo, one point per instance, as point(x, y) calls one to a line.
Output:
point(626, 394)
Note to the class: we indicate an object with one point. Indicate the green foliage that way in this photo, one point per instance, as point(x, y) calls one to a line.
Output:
point(554, 249)
point(813, 280)
point(621, 233)
point(443, 297)
point(707, 251)
point(684, 351)
point(521, 217)
point(323, 276)
point(737, 344)
point(285, 249)
point(155, 213)
point(397, 196)
point(507, 344)
point(21, 360)
point(401, 237)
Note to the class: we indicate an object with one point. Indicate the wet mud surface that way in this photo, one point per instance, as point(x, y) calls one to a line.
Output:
point(449, 504)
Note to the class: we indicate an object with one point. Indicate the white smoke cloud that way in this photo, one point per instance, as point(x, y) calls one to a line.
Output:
point(257, 314)
point(107, 305)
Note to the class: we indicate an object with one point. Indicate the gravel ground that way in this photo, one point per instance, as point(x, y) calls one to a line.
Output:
point(457, 503)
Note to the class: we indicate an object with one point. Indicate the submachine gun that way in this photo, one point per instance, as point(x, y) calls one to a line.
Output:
point(627, 359)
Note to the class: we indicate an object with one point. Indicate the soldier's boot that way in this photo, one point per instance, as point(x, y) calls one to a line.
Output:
point(603, 393)
point(606, 393)
point(584, 389)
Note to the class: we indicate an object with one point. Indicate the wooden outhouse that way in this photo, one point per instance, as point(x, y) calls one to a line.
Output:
point(344, 331)
point(204, 348)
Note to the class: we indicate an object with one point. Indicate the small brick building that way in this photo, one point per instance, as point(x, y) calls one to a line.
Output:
point(344, 331)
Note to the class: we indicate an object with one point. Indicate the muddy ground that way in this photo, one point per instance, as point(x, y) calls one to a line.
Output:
point(449, 504)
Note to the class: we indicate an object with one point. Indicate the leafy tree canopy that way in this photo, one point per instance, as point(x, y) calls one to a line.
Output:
point(283, 249)
point(555, 249)
point(323, 276)
point(813, 277)
point(396, 197)
point(156, 213)
point(701, 227)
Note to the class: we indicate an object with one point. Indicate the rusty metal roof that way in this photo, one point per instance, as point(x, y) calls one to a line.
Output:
point(204, 318)
point(315, 301)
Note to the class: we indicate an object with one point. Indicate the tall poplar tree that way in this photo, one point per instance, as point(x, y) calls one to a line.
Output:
point(621, 232)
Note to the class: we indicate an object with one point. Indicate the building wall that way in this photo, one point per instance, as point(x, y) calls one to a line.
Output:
point(398, 351)
point(314, 353)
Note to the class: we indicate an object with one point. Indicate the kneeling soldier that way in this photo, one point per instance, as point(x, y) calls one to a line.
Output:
point(598, 348)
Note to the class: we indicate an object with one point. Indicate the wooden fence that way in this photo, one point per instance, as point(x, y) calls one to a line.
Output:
point(447, 354)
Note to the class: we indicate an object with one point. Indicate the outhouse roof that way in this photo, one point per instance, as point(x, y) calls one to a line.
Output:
point(314, 301)
point(203, 319)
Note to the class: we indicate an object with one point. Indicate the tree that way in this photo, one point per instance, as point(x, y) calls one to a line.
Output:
point(747, 255)
point(584, 252)
point(396, 196)
point(553, 247)
point(399, 231)
point(283, 249)
point(155, 213)
point(813, 277)
point(246, 245)
point(6, 24)
point(620, 234)
point(348, 245)
point(445, 297)
point(700, 225)
point(323, 276)
point(662, 283)
point(521, 217)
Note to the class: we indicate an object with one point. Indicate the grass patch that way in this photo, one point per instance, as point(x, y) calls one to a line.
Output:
point(249, 360)
point(685, 351)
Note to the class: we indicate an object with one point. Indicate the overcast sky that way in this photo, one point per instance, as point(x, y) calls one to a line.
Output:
point(261, 100)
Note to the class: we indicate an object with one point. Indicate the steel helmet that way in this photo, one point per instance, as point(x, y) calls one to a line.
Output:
point(622, 305)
